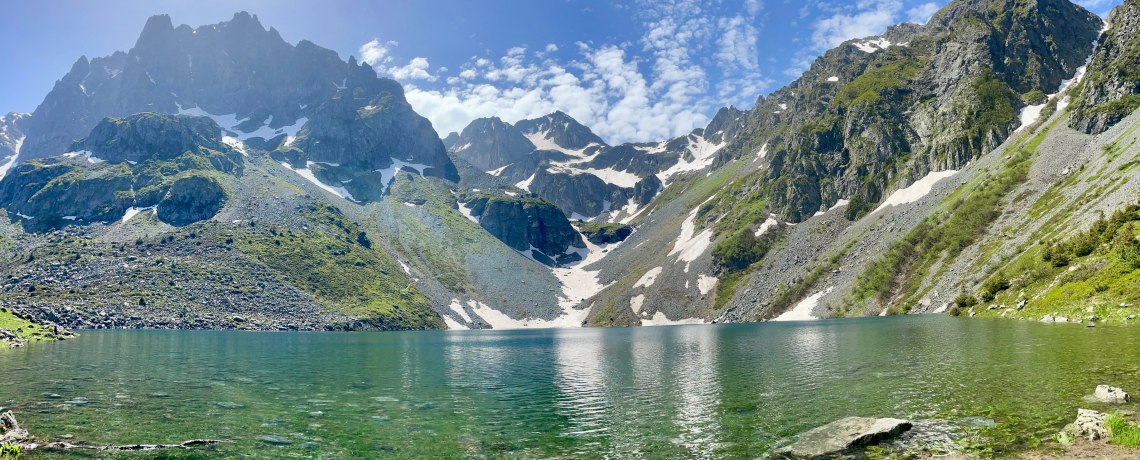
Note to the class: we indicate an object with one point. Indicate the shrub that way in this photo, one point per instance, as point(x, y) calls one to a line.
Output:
point(964, 301)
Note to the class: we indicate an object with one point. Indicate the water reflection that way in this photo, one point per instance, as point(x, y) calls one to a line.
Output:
point(731, 391)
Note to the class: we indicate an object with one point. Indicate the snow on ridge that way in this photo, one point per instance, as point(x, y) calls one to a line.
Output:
point(875, 44)
point(542, 141)
point(230, 123)
point(496, 172)
point(86, 154)
point(916, 191)
point(703, 151)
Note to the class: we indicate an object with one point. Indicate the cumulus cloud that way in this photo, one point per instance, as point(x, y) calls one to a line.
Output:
point(652, 89)
point(417, 69)
point(375, 52)
point(871, 17)
point(921, 13)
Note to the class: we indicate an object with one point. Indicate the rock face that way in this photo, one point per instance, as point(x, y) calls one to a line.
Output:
point(192, 199)
point(1111, 395)
point(559, 129)
point(874, 115)
point(450, 140)
point(261, 88)
point(124, 163)
point(605, 233)
point(489, 144)
point(529, 225)
point(11, 138)
point(843, 436)
point(1110, 89)
point(141, 136)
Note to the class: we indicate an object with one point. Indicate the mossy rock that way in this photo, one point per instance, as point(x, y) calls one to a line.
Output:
point(192, 199)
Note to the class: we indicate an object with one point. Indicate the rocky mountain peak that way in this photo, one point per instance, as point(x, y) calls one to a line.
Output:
point(1110, 89)
point(491, 143)
point(560, 130)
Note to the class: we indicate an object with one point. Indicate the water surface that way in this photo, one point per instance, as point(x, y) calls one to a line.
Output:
point(723, 391)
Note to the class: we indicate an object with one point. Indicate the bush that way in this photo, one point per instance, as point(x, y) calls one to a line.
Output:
point(993, 287)
point(740, 251)
point(964, 301)
point(1035, 97)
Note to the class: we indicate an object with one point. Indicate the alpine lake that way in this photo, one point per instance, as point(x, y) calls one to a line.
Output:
point(702, 391)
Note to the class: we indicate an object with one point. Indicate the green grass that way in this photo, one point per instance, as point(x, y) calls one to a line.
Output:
point(1122, 432)
point(26, 330)
point(336, 262)
point(896, 277)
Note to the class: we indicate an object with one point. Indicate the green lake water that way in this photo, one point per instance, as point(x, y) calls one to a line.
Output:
point(715, 391)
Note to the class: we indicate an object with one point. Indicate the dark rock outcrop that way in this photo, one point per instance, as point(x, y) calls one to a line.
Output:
point(605, 233)
point(528, 225)
point(192, 199)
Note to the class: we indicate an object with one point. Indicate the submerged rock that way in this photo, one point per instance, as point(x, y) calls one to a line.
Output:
point(1112, 395)
point(275, 440)
point(842, 436)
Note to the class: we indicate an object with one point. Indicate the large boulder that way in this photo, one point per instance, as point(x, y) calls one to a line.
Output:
point(842, 436)
point(1089, 424)
point(1111, 395)
point(10, 431)
point(192, 199)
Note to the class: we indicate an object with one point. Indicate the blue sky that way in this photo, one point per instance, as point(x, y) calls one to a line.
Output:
point(633, 70)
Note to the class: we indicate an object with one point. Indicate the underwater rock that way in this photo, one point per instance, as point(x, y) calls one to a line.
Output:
point(843, 435)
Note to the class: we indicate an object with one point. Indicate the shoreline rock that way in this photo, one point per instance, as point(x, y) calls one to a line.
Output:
point(1111, 395)
point(843, 436)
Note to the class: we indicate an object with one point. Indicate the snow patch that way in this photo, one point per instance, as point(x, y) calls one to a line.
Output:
point(542, 141)
point(636, 302)
point(525, 185)
point(839, 204)
point(236, 144)
point(458, 309)
point(496, 172)
point(767, 225)
point(703, 152)
point(453, 325)
point(870, 46)
point(649, 277)
point(691, 247)
point(833, 79)
point(131, 212)
point(230, 122)
point(659, 319)
point(705, 283)
point(389, 173)
point(916, 190)
point(308, 175)
point(803, 310)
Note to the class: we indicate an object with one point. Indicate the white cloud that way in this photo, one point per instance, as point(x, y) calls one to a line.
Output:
point(654, 89)
point(415, 70)
point(374, 52)
point(921, 13)
point(872, 17)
